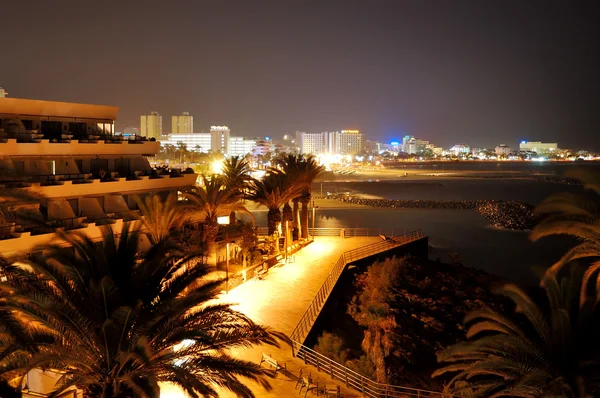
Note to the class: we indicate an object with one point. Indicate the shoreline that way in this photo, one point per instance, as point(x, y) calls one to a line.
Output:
point(500, 214)
point(431, 175)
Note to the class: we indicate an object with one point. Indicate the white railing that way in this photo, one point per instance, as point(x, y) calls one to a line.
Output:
point(352, 379)
point(366, 386)
point(348, 232)
point(310, 316)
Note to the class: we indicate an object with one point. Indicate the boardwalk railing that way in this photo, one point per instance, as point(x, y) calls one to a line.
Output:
point(367, 387)
point(352, 379)
point(347, 231)
point(310, 316)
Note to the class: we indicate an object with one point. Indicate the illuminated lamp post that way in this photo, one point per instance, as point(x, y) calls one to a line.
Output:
point(313, 219)
point(224, 220)
point(286, 240)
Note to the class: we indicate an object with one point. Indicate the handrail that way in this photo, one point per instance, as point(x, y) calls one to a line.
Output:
point(352, 379)
point(348, 231)
point(305, 323)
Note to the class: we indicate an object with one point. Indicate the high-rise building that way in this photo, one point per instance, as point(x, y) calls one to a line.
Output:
point(219, 139)
point(538, 147)
point(151, 125)
point(199, 142)
point(312, 143)
point(239, 146)
point(182, 124)
point(345, 142)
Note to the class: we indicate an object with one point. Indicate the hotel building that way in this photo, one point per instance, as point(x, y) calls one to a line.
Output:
point(538, 147)
point(88, 176)
point(182, 124)
point(219, 139)
point(344, 142)
point(151, 125)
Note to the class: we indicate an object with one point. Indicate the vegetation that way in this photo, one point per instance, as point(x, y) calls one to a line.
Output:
point(577, 215)
point(546, 348)
point(119, 321)
point(210, 200)
point(373, 308)
point(236, 172)
point(303, 170)
point(401, 312)
point(159, 217)
point(273, 191)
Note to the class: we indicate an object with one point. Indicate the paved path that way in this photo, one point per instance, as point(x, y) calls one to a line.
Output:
point(279, 301)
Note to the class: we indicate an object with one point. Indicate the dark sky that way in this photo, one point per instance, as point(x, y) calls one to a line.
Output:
point(482, 72)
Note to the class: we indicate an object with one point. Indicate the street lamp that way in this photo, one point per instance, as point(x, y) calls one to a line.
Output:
point(286, 240)
point(224, 220)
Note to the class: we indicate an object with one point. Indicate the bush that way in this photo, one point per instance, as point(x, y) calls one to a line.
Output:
point(333, 347)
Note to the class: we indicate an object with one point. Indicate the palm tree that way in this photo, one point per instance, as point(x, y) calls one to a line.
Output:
point(160, 217)
point(16, 196)
point(373, 309)
point(210, 200)
point(236, 172)
point(546, 349)
point(577, 215)
point(118, 321)
point(309, 172)
point(290, 165)
point(182, 148)
point(273, 191)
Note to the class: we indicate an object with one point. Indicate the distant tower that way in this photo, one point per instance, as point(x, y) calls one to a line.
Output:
point(3, 93)
point(151, 125)
point(182, 124)
point(219, 139)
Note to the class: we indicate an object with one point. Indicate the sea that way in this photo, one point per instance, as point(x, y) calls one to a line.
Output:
point(459, 234)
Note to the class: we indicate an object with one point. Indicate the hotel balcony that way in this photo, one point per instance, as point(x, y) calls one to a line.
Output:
point(20, 239)
point(94, 146)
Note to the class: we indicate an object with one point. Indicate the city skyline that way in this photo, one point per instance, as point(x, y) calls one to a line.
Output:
point(461, 72)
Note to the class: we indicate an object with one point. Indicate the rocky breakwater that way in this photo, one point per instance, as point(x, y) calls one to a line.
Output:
point(512, 215)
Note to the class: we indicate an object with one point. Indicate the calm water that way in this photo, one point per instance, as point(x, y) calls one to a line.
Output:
point(505, 253)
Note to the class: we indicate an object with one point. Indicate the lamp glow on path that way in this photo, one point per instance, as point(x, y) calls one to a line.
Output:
point(224, 220)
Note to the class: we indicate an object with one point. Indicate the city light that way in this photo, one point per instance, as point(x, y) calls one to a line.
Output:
point(217, 166)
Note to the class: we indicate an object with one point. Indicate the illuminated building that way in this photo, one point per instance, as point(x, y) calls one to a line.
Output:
point(182, 124)
point(262, 146)
point(219, 139)
point(151, 125)
point(199, 142)
point(344, 142)
point(239, 146)
point(312, 143)
point(502, 150)
point(538, 147)
point(460, 149)
point(3, 93)
point(87, 175)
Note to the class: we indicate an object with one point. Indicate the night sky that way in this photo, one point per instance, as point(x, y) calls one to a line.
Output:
point(481, 72)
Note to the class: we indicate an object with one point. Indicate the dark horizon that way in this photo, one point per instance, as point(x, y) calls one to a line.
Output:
point(483, 73)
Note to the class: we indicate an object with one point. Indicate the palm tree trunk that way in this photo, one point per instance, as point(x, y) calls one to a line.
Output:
point(305, 200)
point(273, 220)
point(379, 358)
point(211, 230)
point(296, 223)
